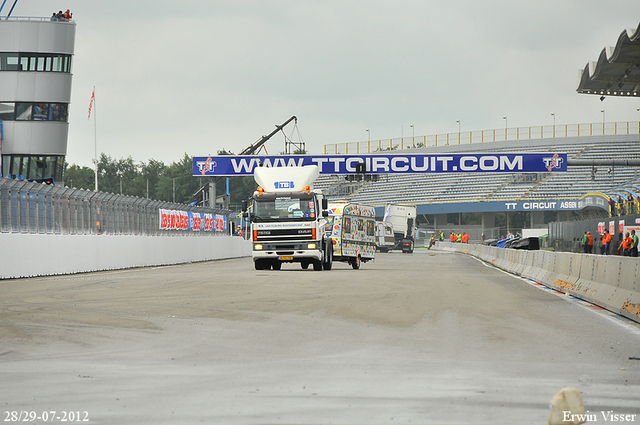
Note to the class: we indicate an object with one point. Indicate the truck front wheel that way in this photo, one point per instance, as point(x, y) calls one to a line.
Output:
point(328, 256)
point(317, 265)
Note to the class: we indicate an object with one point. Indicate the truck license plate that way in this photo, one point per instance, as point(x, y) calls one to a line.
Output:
point(285, 258)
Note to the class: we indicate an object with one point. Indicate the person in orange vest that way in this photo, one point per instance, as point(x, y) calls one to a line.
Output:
point(606, 240)
point(453, 237)
point(465, 238)
point(589, 243)
point(626, 245)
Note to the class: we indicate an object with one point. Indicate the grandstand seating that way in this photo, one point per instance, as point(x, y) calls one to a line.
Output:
point(460, 187)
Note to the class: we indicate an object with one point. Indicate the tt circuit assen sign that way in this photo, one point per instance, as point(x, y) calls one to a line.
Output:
point(227, 165)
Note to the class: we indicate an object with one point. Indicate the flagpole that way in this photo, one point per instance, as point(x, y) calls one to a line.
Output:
point(95, 138)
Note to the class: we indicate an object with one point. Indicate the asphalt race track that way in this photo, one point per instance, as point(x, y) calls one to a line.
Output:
point(423, 338)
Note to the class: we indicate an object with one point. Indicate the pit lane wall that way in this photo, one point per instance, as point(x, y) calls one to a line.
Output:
point(609, 281)
point(28, 255)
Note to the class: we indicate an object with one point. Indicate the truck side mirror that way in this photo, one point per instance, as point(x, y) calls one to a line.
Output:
point(325, 203)
point(325, 213)
point(244, 205)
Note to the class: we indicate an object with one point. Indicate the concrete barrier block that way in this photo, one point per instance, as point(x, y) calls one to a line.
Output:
point(509, 260)
point(514, 259)
point(529, 264)
point(568, 269)
point(519, 261)
point(547, 268)
point(625, 299)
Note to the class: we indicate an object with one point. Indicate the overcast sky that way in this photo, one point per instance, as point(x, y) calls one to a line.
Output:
point(197, 76)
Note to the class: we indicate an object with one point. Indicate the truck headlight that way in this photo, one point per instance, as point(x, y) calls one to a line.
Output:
point(257, 247)
point(311, 246)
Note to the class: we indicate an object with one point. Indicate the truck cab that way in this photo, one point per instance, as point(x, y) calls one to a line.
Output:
point(288, 219)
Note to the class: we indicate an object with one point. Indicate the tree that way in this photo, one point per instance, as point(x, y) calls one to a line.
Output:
point(79, 177)
point(149, 177)
point(178, 175)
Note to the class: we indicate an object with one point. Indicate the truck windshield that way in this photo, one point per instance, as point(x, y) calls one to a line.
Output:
point(293, 207)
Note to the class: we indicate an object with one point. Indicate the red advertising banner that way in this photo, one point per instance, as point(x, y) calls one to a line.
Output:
point(187, 220)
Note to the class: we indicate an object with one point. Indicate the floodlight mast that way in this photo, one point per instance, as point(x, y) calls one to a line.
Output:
point(250, 150)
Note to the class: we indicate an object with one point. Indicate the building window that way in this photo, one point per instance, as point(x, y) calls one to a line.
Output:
point(41, 111)
point(41, 62)
point(27, 111)
point(24, 111)
point(33, 166)
point(59, 112)
point(7, 111)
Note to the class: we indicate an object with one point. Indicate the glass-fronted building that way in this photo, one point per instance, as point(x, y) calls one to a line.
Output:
point(35, 91)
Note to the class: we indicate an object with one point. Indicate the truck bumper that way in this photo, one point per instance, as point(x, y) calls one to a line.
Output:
point(289, 253)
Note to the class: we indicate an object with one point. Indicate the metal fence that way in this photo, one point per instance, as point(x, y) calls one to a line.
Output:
point(45, 209)
point(484, 136)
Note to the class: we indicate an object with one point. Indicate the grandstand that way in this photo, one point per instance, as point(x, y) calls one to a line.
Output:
point(489, 192)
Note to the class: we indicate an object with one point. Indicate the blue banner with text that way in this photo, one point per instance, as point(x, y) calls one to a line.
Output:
point(229, 165)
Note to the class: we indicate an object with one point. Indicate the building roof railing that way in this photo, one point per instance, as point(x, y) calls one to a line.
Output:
point(34, 18)
point(486, 136)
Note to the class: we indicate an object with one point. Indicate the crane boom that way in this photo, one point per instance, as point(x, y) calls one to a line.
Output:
point(250, 150)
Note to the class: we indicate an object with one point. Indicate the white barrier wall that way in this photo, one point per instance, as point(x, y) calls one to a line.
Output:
point(610, 281)
point(26, 255)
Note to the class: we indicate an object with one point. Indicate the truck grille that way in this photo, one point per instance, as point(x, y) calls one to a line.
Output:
point(283, 235)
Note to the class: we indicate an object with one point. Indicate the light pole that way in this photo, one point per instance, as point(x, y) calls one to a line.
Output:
point(413, 136)
point(458, 121)
point(553, 114)
point(368, 134)
point(505, 127)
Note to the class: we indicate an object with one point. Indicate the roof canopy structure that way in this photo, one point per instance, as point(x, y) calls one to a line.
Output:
point(617, 70)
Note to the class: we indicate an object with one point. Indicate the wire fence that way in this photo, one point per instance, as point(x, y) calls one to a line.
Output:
point(29, 207)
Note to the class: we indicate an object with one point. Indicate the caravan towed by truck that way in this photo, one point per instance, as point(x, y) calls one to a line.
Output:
point(352, 230)
point(288, 219)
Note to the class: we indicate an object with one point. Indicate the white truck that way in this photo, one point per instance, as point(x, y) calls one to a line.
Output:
point(288, 219)
point(351, 228)
point(404, 221)
point(385, 239)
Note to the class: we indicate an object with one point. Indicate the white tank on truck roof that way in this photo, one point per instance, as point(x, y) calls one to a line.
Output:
point(286, 179)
